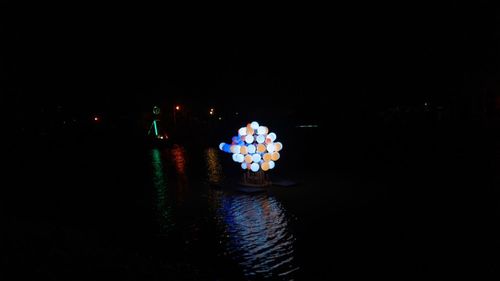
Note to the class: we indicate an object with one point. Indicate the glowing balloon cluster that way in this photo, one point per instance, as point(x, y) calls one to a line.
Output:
point(254, 147)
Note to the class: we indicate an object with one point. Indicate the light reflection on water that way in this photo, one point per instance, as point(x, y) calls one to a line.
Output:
point(256, 234)
point(253, 229)
point(178, 157)
point(160, 186)
point(214, 167)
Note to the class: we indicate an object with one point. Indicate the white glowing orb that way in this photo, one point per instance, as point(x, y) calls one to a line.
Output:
point(256, 158)
point(242, 131)
point(254, 125)
point(255, 167)
point(244, 166)
point(271, 164)
point(272, 136)
point(221, 146)
point(270, 147)
point(251, 149)
point(262, 130)
point(261, 139)
point(249, 139)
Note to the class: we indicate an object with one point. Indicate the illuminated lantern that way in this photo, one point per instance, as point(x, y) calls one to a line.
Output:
point(235, 148)
point(261, 148)
point(249, 139)
point(255, 167)
point(250, 130)
point(265, 166)
point(270, 147)
point(256, 158)
point(267, 157)
point(278, 146)
point(254, 147)
point(272, 136)
point(242, 131)
point(262, 130)
point(248, 159)
point(244, 150)
point(240, 158)
point(251, 149)
point(275, 156)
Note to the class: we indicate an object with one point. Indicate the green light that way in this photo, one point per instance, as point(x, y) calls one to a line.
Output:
point(156, 129)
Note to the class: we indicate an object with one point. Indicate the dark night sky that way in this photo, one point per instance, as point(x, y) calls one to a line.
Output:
point(364, 56)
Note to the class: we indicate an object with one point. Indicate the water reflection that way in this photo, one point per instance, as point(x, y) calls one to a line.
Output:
point(256, 234)
point(214, 167)
point(179, 161)
point(160, 185)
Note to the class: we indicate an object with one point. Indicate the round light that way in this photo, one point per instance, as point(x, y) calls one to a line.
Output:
point(256, 158)
point(248, 159)
point(250, 130)
point(254, 125)
point(261, 148)
point(221, 146)
point(244, 150)
point(249, 139)
point(265, 166)
point(261, 139)
point(254, 167)
point(275, 156)
point(242, 131)
point(262, 130)
point(235, 157)
point(236, 149)
point(267, 157)
point(270, 147)
point(240, 158)
point(272, 164)
point(244, 166)
point(251, 149)
point(272, 136)
point(278, 146)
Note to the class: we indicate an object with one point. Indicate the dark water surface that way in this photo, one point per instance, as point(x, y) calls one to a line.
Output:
point(119, 210)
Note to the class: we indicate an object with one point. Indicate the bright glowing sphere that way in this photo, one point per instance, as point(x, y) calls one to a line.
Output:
point(255, 167)
point(261, 139)
point(243, 150)
point(262, 130)
point(249, 139)
point(256, 158)
point(265, 166)
point(248, 159)
point(275, 156)
point(267, 157)
point(242, 131)
point(272, 136)
point(251, 149)
point(270, 147)
point(244, 166)
point(254, 125)
point(271, 164)
point(261, 148)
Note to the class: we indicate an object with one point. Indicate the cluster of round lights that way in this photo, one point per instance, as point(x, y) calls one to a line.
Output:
point(254, 147)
